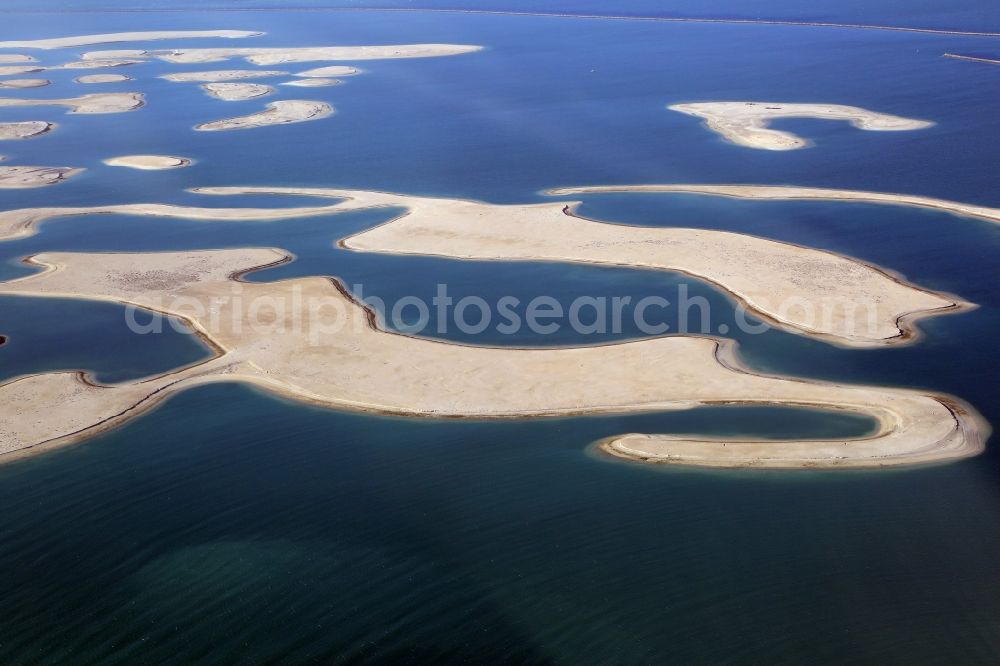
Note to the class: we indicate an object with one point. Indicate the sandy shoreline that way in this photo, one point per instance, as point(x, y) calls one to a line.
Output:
point(956, 56)
point(399, 374)
point(282, 112)
point(93, 103)
point(220, 75)
point(102, 78)
point(24, 129)
point(153, 35)
point(792, 192)
point(148, 162)
point(281, 55)
point(21, 177)
point(24, 83)
point(235, 92)
point(746, 123)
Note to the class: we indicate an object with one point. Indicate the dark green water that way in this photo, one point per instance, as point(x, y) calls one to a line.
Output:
point(232, 526)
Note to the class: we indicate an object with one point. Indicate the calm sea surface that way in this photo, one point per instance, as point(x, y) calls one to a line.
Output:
point(230, 525)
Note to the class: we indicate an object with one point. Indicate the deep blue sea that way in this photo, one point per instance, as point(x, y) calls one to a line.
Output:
point(234, 526)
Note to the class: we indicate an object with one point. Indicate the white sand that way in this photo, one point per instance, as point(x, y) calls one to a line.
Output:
point(20, 177)
point(148, 162)
point(7, 58)
point(14, 70)
point(277, 113)
point(235, 92)
point(94, 103)
point(102, 78)
point(221, 75)
point(24, 83)
point(332, 71)
point(97, 64)
point(780, 192)
point(361, 367)
point(746, 123)
point(86, 40)
point(988, 61)
point(311, 83)
point(24, 129)
point(279, 55)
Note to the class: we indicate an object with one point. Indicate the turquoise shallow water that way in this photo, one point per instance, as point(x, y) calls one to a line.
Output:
point(230, 525)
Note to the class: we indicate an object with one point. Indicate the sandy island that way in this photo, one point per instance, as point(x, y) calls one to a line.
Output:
point(14, 70)
point(838, 299)
point(24, 130)
point(102, 78)
point(277, 113)
point(311, 83)
point(746, 123)
point(360, 367)
point(331, 72)
point(790, 192)
point(235, 92)
point(93, 103)
point(24, 83)
point(220, 75)
point(97, 64)
point(280, 55)
point(148, 162)
point(86, 40)
point(19, 177)
point(8, 58)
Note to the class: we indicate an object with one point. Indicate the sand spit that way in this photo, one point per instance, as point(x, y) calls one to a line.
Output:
point(148, 162)
point(331, 72)
point(790, 192)
point(349, 363)
point(746, 123)
point(277, 56)
point(956, 56)
point(22, 223)
point(94, 103)
point(20, 177)
point(87, 40)
point(312, 83)
point(276, 113)
point(235, 92)
point(7, 58)
point(221, 75)
point(14, 70)
point(102, 78)
point(24, 130)
point(834, 298)
point(24, 83)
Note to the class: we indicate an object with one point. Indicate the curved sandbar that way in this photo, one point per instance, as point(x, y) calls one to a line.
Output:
point(220, 75)
point(330, 72)
point(20, 177)
point(23, 222)
point(792, 192)
point(308, 339)
point(107, 38)
point(24, 83)
point(989, 61)
point(24, 129)
point(93, 103)
point(102, 78)
point(840, 300)
point(280, 55)
point(148, 162)
point(235, 92)
point(746, 123)
point(312, 83)
point(277, 113)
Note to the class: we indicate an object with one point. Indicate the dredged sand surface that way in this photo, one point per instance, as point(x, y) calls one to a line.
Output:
point(281, 55)
point(24, 129)
point(94, 103)
point(330, 72)
point(333, 354)
point(19, 177)
point(102, 78)
point(107, 38)
point(14, 70)
point(311, 83)
point(235, 92)
point(282, 112)
point(7, 58)
point(789, 192)
point(220, 75)
point(148, 162)
point(746, 123)
point(834, 298)
point(24, 83)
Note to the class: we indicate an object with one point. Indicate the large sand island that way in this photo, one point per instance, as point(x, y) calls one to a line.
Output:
point(746, 123)
point(221, 75)
point(93, 103)
point(837, 299)
point(281, 55)
point(281, 112)
point(20, 177)
point(235, 92)
point(334, 355)
point(792, 192)
point(102, 78)
point(25, 129)
point(148, 162)
point(25, 83)
point(86, 40)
